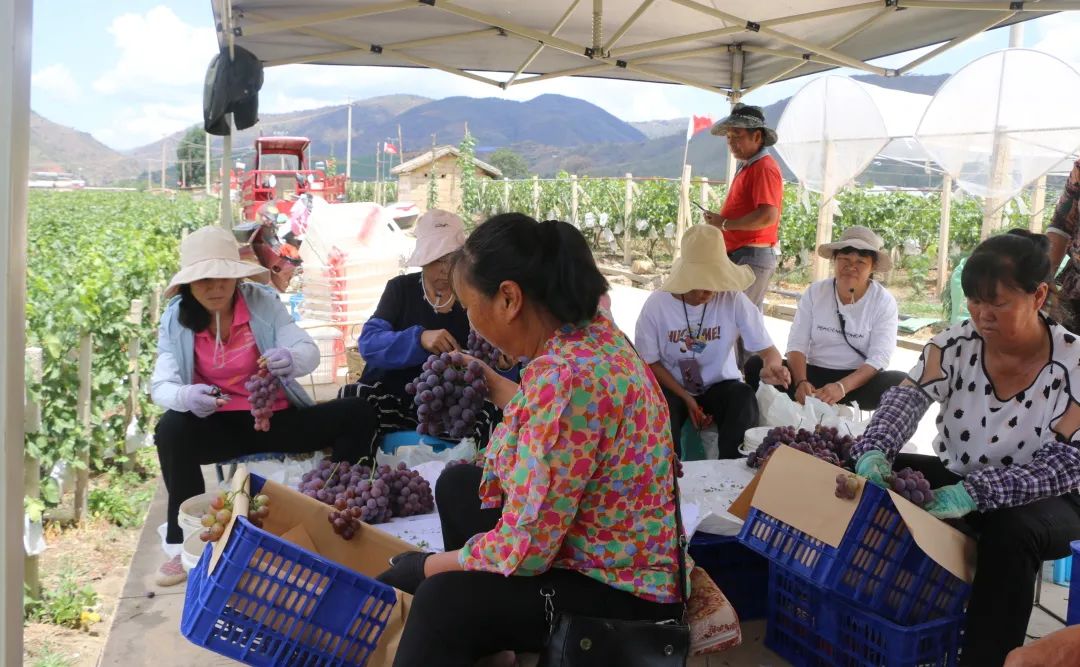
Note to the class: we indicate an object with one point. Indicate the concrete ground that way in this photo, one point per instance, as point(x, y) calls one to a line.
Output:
point(145, 630)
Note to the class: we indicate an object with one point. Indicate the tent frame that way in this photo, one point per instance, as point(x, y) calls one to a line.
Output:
point(602, 56)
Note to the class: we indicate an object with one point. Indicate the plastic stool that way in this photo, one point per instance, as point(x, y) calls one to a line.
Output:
point(1063, 570)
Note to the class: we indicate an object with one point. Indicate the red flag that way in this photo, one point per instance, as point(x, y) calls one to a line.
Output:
point(697, 124)
point(390, 148)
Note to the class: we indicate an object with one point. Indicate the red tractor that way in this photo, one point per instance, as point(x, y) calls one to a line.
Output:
point(275, 200)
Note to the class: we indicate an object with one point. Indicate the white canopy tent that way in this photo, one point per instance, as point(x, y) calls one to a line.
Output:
point(734, 50)
point(731, 47)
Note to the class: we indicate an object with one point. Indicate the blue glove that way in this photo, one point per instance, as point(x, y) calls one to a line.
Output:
point(201, 400)
point(951, 502)
point(279, 362)
point(875, 467)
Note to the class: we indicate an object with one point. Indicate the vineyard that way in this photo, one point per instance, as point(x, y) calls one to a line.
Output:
point(91, 254)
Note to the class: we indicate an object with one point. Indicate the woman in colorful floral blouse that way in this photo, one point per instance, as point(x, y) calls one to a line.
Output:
point(575, 506)
point(1008, 443)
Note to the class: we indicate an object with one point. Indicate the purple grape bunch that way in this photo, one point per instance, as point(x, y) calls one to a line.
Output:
point(359, 493)
point(262, 390)
point(824, 442)
point(912, 485)
point(449, 395)
point(483, 350)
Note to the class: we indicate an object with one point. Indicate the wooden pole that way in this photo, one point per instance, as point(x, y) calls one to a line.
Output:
point(348, 145)
point(684, 209)
point(943, 234)
point(573, 200)
point(131, 411)
point(31, 466)
point(1038, 205)
point(82, 409)
point(506, 196)
point(825, 213)
point(628, 220)
point(536, 197)
point(703, 196)
point(163, 164)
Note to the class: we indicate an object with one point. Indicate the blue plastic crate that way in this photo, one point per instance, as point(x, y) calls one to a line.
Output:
point(810, 626)
point(1063, 571)
point(878, 564)
point(1072, 617)
point(741, 574)
point(270, 602)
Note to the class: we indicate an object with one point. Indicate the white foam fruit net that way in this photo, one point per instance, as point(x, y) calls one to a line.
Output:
point(1019, 101)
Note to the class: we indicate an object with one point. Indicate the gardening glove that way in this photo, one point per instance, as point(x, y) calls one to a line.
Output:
point(201, 400)
point(279, 362)
point(951, 502)
point(875, 467)
point(406, 571)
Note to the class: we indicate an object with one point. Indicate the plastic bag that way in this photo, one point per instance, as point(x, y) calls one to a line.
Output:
point(777, 409)
point(416, 455)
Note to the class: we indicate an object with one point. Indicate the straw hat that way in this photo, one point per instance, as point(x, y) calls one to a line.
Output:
point(438, 233)
point(749, 118)
point(210, 252)
point(703, 264)
point(860, 238)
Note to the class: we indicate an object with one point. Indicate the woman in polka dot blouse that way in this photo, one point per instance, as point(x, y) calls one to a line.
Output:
point(1008, 444)
point(573, 510)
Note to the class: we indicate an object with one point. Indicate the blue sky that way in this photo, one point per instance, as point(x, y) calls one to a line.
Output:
point(131, 71)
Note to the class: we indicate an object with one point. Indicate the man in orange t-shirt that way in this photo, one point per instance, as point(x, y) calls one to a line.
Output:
point(750, 217)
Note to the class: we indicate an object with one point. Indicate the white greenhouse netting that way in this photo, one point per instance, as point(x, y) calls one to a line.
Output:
point(1003, 121)
point(835, 126)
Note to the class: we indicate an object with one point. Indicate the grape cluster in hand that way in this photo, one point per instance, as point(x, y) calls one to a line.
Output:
point(483, 350)
point(262, 389)
point(824, 442)
point(912, 485)
point(847, 486)
point(221, 511)
point(359, 494)
point(449, 395)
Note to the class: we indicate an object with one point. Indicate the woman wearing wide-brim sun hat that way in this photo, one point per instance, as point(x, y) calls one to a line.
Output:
point(217, 331)
point(418, 315)
point(687, 332)
point(844, 333)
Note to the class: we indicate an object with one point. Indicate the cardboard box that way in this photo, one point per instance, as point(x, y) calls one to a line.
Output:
point(302, 521)
point(799, 490)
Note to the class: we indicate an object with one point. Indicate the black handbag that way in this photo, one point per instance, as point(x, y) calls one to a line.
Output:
point(586, 641)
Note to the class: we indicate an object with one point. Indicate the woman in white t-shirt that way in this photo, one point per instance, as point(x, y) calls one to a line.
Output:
point(844, 333)
point(687, 331)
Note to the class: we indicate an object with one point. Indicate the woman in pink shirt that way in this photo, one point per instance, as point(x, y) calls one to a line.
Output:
point(215, 334)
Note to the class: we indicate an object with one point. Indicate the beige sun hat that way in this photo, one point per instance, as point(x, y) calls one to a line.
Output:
point(860, 238)
point(438, 233)
point(703, 264)
point(211, 252)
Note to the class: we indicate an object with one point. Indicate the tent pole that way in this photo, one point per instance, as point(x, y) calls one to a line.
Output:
point(226, 176)
point(825, 212)
point(1038, 205)
point(17, 15)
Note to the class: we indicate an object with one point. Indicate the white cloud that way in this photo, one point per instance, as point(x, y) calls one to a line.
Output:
point(159, 54)
point(145, 123)
point(1059, 38)
point(56, 81)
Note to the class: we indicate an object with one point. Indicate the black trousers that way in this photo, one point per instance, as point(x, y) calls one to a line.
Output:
point(184, 442)
point(1013, 543)
point(732, 405)
point(867, 396)
point(396, 412)
point(458, 617)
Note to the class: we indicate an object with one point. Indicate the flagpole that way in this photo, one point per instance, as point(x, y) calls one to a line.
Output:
point(689, 134)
